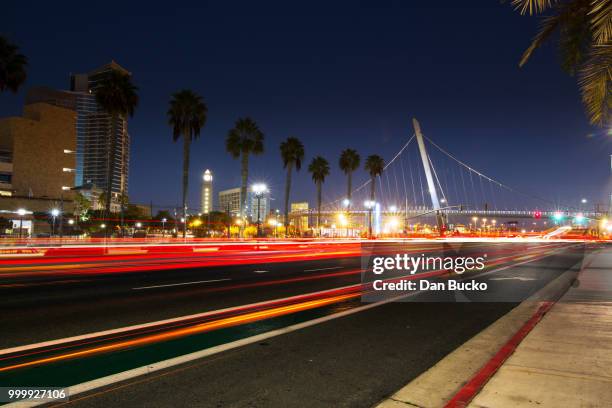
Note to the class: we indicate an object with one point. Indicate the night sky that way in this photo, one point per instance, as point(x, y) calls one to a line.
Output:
point(334, 74)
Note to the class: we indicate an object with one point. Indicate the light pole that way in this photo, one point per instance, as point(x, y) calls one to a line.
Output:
point(369, 204)
point(259, 189)
point(276, 224)
point(21, 212)
point(163, 227)
point(54, 213)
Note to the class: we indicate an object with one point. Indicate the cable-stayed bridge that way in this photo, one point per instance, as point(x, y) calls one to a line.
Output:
point(425, 180)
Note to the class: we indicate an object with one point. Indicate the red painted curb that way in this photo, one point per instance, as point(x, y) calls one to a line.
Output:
point(463, 397)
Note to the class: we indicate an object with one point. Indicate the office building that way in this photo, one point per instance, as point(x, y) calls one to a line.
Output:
point(229, 201)
point(37, 158)
point(93, 131)
point(207, 192)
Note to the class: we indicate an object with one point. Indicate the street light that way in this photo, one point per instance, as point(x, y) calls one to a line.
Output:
point(21, 212)
point(54, 213)
point(163, 227)
point(139, 225)
point(259, 189)
point(583, 201)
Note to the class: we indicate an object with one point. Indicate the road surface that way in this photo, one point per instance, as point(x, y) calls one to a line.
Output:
point(335, 350)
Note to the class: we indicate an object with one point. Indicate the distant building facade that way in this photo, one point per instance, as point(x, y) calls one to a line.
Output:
point(207, 192)
point(299, 215)
point(229, 200)
point(93, 132)
point(36, 158)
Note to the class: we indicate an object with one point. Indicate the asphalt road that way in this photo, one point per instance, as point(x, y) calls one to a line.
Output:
point(354, 360)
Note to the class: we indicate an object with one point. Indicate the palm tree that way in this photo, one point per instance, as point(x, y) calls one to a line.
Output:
point(319, 168)
point(243, 140)
point(187, 116)
point(349, 162)
point(292, 153)
point(12, 66)
point(584, 30)
point(117, 96)
point(374, 165)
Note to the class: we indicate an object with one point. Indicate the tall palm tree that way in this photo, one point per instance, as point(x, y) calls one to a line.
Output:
point(118, 97)
point(584, 30)
point(349, 162)
point(319, 168)
point(12, 66)
point(244, 139)
point(374, 165)
point(292, 153)
point(187, 116)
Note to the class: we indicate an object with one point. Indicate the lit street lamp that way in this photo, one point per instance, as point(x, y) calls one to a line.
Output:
point(21, 212)
point(54, 213)
point(163, 227)
point(259, 190)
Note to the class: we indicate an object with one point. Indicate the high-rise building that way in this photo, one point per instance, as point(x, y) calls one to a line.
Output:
point(207, 192)
point(93, 131)
point(229, 200)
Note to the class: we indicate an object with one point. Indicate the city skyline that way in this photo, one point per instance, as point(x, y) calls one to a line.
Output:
point(330, 204)
point(334, 113)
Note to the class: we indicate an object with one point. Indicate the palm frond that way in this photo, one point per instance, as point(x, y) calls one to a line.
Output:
point(548, 26)
point(601, 21)
point(575, 39)
point(596, 85)
point(532, 6)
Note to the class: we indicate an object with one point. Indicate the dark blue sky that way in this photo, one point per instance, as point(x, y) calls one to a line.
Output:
point(336, 75)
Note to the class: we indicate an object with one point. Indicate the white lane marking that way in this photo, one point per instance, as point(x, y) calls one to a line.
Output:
point(535, 258)
point(519, 278)
point(180, 284)
point(166, 321)
point(151, 368)
point(322, 269)
point(261, 271)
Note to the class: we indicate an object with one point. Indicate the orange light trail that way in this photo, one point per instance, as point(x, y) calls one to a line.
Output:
point(200, 328)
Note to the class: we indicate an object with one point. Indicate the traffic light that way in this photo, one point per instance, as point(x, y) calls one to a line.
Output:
point(537, 215)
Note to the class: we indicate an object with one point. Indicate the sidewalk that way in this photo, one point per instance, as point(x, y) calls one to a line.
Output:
point(566, 360)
